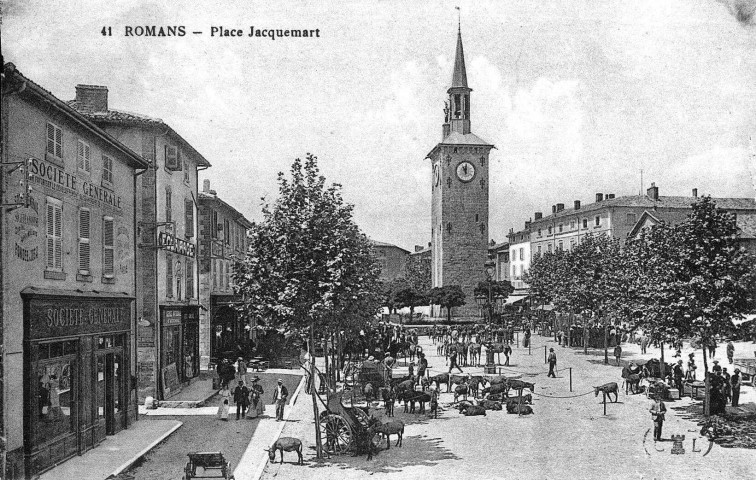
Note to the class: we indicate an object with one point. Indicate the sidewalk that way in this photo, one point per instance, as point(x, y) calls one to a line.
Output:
point(255, 458)
point(116, 453)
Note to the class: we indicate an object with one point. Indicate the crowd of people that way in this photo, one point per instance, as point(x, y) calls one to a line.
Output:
point(247, 394)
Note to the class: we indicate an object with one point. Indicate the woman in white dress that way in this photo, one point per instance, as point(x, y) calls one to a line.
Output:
point(225, 402)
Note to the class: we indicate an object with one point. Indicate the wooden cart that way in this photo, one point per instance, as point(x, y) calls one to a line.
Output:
point(747, 368)
point(208, 461)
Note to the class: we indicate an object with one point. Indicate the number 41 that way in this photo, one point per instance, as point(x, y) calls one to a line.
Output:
point(107, 32)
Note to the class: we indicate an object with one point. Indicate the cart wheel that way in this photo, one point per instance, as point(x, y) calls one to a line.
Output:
point(338, 434)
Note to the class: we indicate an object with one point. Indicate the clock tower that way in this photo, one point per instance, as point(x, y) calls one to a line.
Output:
point(459, 206)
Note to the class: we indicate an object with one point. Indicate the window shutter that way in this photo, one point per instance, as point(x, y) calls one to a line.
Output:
point(168, 275)
point(108, 240)
point(80, 155)
point(189, 218)
point(58, 142)
point(169, 206)
point(84, 236)
point(107, 169)
point(189, 281)
point(58, 236)
point(51, 139)
point(50, 235)
point(87, 159)
point(171, 157)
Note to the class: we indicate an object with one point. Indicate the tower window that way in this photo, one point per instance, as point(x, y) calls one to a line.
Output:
point(482, 228)
point(482, 161)
point(457, 105)
point(476, 217)
point(448, 182)
point(467, 107)
point(482, 183)
point(448, 227)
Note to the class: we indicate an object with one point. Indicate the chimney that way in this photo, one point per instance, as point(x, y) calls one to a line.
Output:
point(560, 207)
point(206, 186)
point(213, 192)
point(419, 248)
point(527, 225)
point(538, 215)
point(599, 197)
point(653, 192)
point(610, 196)
point(553, 209)
point(577, 204)
point(93, 97)
point(695, 192)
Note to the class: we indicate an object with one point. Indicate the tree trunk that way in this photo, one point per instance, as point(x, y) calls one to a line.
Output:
point(606, 346)
point(412, 312)
point(585, 337)
point(448, 314)
point(313, 392)
point(325, 359)
point(662, 365)
point(707, 385)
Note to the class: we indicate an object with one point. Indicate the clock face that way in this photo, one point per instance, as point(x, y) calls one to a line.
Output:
point(436, 175)
point(465, 171)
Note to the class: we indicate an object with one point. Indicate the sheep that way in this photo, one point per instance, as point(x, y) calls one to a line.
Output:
point(286, 444)
point(394, 427)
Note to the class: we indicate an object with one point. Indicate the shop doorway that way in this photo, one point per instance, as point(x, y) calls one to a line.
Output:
point(110, 391)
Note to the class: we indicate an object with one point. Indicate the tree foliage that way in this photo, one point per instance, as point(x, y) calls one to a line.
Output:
point(448, 297)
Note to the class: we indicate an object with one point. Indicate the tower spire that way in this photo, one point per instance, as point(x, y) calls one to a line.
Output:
point(459, 78)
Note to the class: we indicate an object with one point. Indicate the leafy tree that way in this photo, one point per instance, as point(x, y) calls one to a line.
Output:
point(448, 297)
point(416, 271)
point(308, 265)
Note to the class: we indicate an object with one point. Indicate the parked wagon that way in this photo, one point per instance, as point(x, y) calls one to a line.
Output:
point(747, 368)
point(208, 461)
point(340, 426)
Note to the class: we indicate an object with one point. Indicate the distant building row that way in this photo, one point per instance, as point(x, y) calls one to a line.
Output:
point(115, 270)
point(619, 217)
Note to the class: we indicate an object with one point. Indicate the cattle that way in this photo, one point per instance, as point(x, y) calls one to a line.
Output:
point(515, 407)
point(520, 385)
point(498, 349)
point(405, 385)
point(460, 390)
point(496, 397)
point(439, 379)
point(490, 405)
point(607, 389)
point(473, 410)
point(286, 444)
point(496, 388)
point(394, 427)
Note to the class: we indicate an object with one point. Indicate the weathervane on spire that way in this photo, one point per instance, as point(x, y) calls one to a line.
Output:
point(459, 19)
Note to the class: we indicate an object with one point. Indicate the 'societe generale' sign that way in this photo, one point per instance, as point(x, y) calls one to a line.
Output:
point(52, 176)
point(57, 317)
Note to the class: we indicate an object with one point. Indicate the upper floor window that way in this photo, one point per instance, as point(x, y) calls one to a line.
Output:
point(549, 248)
point(585, 223)
point(214, 224)
point(168, 204)
point(598, 220)
point(188, 218)
point(549, 230)
point(539, 249)
point(84, 237)
point(107, 169)
point(187, 179)
point(168, 275)
point(572, 224)
point(560, 228)
point(83, 158)
point(54, 140)
point(522, 254)
point(108, 247)
point(561, 246)
point(226, 232)
point(539, 232)
point(54, 234)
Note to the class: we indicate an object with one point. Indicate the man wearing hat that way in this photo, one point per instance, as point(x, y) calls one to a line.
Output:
point(255, 394)
point(279, 398)
point(717, 369)
point(241, 397)
point(735, 383)
point(552, 363)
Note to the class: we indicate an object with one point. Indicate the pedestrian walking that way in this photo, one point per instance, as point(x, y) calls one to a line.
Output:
point(690, 375)
point(225, 399)
point(712, 348)
point(453, 362)
point(735, 386)
point(279, 398)
point(552, 363)
point(617, 353)
point(241, 370)
point(241, 398)
point(730, 351)
point(658, 410)
point(255, 396)
point(507, 353)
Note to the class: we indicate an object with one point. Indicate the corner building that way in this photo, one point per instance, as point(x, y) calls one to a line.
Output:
point(459, 205)
point(168, 332)
point(69, 279)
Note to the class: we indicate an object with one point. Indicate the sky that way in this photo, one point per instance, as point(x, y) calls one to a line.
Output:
point(577, 96)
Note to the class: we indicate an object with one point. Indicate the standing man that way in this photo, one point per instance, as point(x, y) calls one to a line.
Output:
point(421, 368)
point(730, 351)
point(677, 372)
point(618, 353)
point(552, 363)
point(279, 397)
point(507, 353)
point(644, 343)
point(735, 385)
point(658, 410)
point(241, 397)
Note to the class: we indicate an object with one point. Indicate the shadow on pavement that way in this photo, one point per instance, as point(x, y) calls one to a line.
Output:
point(415, 451)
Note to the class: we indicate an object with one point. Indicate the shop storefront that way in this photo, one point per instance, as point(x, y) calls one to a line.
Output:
point(179, 353)
point(76, 364)
point(230, 335)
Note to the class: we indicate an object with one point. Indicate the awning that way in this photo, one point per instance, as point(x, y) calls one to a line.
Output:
point(741, 321)
point(512, 299)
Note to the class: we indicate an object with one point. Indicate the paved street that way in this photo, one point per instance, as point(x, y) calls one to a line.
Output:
point(567, 437)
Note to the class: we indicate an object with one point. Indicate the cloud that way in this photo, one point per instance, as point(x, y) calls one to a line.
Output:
point(719, 171)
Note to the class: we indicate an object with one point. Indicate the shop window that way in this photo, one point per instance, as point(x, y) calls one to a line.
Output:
point(54, 141)
point(54, 392)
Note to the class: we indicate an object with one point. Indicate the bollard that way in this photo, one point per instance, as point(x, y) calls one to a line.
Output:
point(528, 348)
point(604, 403)
point(570, 379)
point(544, 355)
